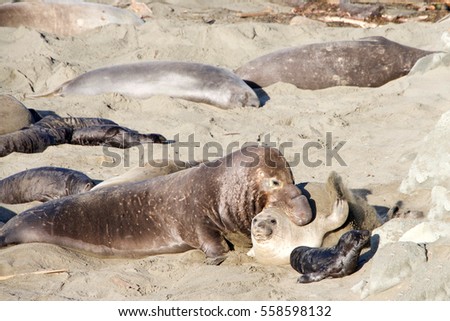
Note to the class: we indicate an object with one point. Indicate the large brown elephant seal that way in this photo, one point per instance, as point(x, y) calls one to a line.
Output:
point(64, 19)
point(274, 236)
point(316, 264)
point(43, 184)
point(167, 214)
point(368, 62)
point(187, 80)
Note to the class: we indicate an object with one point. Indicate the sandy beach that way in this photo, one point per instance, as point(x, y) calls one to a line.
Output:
point(382, 131)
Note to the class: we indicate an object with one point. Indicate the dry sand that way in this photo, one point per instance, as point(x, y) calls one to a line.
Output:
point(382, 129)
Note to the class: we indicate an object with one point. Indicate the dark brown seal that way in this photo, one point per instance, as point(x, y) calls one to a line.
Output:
point(205, 207)
point(43, 184)
point(54, 130)
point(368, 62)
point(340, 260)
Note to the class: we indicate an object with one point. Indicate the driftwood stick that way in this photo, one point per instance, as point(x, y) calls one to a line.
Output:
point(7, 277)
point(263, 13)
point(358, 23)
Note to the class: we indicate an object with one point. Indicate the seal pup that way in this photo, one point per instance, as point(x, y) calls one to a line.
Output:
point(14, 115)
point(367, 62)
point(186, 80)
point(165, 214)
point(43, 184)
point(316, 264)
point(274, 236)
point(54, 130)
point(64, 19)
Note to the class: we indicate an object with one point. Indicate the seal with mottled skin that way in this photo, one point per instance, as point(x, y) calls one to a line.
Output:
point(64, 19)
point(166, 214)
point(368, 62)
point(316, 264)
point(186, 80)
point(274, 236)
point(53, 130)
point(43, 184)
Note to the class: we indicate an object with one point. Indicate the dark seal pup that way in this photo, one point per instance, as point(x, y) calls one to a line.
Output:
point(368, 62)
point(43, 184)
point(340, 260)
point(54, 130)
point(205, 207)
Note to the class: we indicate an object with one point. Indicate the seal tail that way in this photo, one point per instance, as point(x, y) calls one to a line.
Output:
point(55, 93)
point(336, 188)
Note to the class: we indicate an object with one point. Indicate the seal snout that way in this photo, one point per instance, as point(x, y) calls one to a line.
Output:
point(262, 229)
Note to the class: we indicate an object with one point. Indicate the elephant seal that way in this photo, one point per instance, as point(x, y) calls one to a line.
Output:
point(54, 130)
point(340, 260)
point(64, 19)
point(43, 184)
point(274, 236)
point(149, 170)
point(165, 214)
point(14, 115)
point(187, 80)
point(368, 62)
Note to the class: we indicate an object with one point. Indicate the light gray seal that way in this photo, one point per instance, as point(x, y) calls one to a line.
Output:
point(186, 80)
point(14, 115)
point(64, 19)
point(368, 62)
point(43, 184)
point(316, 264)
point(167, 214)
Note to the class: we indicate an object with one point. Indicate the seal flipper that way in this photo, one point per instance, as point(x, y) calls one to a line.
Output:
point(54, 93)
point(311, 277)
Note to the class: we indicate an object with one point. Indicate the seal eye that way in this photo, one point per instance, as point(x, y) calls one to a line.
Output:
point(274, 183)
point(273, 221)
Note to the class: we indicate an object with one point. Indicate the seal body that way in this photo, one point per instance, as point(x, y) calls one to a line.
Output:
point(53, 130)
point(340, 260)
point(14, 115)
point(165, 214)
point(274, 236)
point(43, 184)
point(64, 19)
point(368, 62)
point(190, 81)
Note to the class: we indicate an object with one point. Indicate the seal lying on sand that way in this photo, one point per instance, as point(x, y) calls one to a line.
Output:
point(52, 130)
point(368, 62)
point(187, 80)
point(165, 214)
point(340, 260)
point(43, 184)
point(149, 170)
point(64, 19)
point(274, 237)
point(14, 115)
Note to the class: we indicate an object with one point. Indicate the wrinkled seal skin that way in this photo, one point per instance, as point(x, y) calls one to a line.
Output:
point(165, 214)
point(43, 184)
point(190, 81)
point(340, 260)
point(64, 19)
point(368, 62)
point(53, 130)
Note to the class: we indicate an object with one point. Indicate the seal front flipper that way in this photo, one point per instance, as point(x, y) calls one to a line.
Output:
point(311, 277)
point(214, 246)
